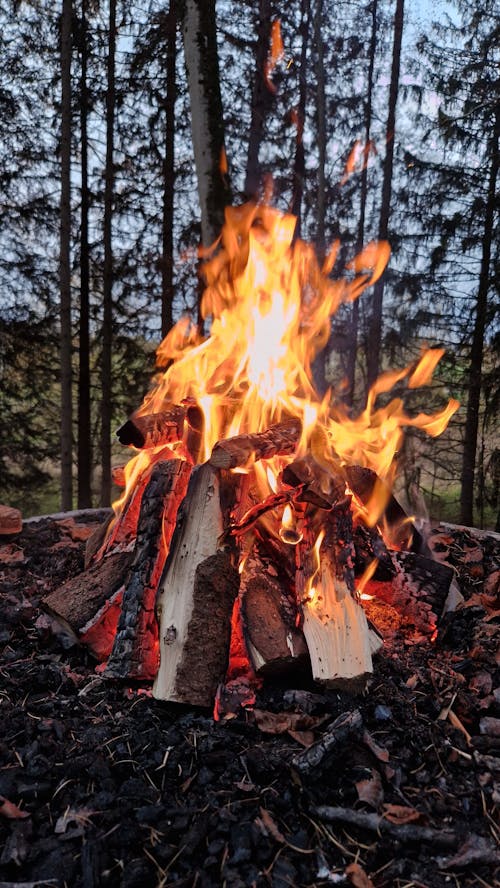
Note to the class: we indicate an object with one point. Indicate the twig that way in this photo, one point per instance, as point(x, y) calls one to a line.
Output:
point(376, 823)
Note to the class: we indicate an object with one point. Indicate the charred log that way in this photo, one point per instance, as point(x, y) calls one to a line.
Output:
point(152, 429)
point(89, 599)
point(135, 651)
point(241, 450)
point(364, 483)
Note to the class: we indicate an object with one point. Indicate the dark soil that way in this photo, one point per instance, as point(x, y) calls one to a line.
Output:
point(102, 785)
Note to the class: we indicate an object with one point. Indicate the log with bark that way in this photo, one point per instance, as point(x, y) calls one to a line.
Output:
point(242, 450)
point(274, 642)
point(135, 649)
point(88, 605)
point(197, 592)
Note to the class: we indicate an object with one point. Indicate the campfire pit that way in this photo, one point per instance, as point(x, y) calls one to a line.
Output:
point(252, 503)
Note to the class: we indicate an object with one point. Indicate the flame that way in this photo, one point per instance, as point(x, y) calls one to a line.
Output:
point(288, 530)
point(365, 579)
point(269, 306)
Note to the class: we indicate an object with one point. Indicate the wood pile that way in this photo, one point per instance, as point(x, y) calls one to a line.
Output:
point(197, 548)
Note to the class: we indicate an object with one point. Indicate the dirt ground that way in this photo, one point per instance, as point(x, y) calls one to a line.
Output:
point(100, 784)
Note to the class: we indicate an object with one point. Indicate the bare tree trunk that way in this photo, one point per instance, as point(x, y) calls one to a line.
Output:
point(375, 322)
point(84, 431)
point(300, 160)
point(262, 99)
point(64, 262)
point(476, 352)
point(168, 173)
point(321, 124)
point(107, 313)
point(207, 124)
point(351, 358)
point(319, 364)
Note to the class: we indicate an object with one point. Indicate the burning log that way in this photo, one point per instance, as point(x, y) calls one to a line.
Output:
point(88, 605)
point(273, 641)
point(135, 650)
point(152, 429)
point(318, 487)
point(339, 639)
point(196, 595)
point(419, 588)
point(280, 439)
point(364, 483)
point(183, 422)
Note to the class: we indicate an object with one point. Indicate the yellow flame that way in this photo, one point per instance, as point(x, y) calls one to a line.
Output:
point(269, 304)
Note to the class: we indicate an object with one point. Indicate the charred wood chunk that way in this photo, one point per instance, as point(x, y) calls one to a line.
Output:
point(152, 429)
point(421, 587)
point(369, 546)
point(135, 651)
point(363, 482)
point(319, 487)
point(281, 439)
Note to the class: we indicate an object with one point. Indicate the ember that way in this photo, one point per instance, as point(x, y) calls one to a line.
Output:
point(248, 487)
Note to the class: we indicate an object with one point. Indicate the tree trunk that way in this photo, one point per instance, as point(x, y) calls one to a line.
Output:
point(375, 321)
point(299, 168)
point(168, 173)
point(107, 315)
point(64, 263)
point(262, 99)
point(351, 358)
point(476, 352)
point(84, 430)
point(321, 124)
point(207, 124)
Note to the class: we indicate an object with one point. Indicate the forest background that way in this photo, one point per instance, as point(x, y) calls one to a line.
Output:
point(100, 216)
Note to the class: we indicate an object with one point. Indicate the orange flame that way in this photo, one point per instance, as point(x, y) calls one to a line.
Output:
point(270, 305)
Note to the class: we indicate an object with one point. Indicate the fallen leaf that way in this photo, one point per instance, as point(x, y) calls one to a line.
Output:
point(281, 722)
point(270, 827)
point(11, 811)
point(357, 876)
point(371, 790)
point(379, 752)
point(305, 738)
point(400, 814)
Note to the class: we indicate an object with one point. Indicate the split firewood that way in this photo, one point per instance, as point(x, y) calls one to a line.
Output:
point(273, 641)
point(92, 598)
point(11, 520)
point(135, 650)
point(196, 594)
point(338, 636)
point(119, 531)
point(280, 439)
